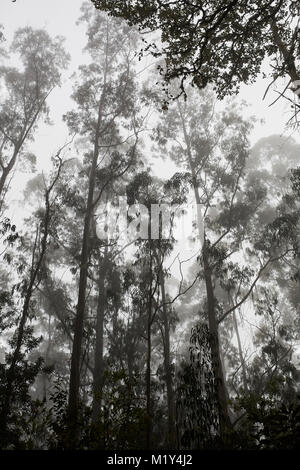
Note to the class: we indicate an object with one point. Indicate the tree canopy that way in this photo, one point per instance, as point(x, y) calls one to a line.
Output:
point(222, 42)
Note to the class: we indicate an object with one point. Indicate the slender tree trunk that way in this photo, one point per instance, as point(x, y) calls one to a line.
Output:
point(73, 403)
point(98, 373)
point(148, 358)
point(3, 178)
point(47, 354)
point(225, 424)
point(148, 386)
point(167, 353)
point(240, 349)
point(6, 171)
point(167, 365)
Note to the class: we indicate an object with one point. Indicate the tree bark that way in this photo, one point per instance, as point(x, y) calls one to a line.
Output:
point(98, 372)
point(73, 403)
point(6, 170)
point(148, 385)
point(167, 366)
point(225, 424)
point(240, 349)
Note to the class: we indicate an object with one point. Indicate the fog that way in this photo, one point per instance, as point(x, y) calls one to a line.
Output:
point(149, 228)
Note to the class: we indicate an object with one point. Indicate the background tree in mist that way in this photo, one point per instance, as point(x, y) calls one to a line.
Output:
point(24, 93)
point(19, 371)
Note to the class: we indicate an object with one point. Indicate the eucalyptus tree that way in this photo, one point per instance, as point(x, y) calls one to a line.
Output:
point(24, 94)
point(213, 149)
point(141, 190)
point(104, 97)
point(161, 198)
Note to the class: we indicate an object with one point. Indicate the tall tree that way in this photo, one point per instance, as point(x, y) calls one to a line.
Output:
point(25, 92)
point(215, 153)
point(103, 97)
